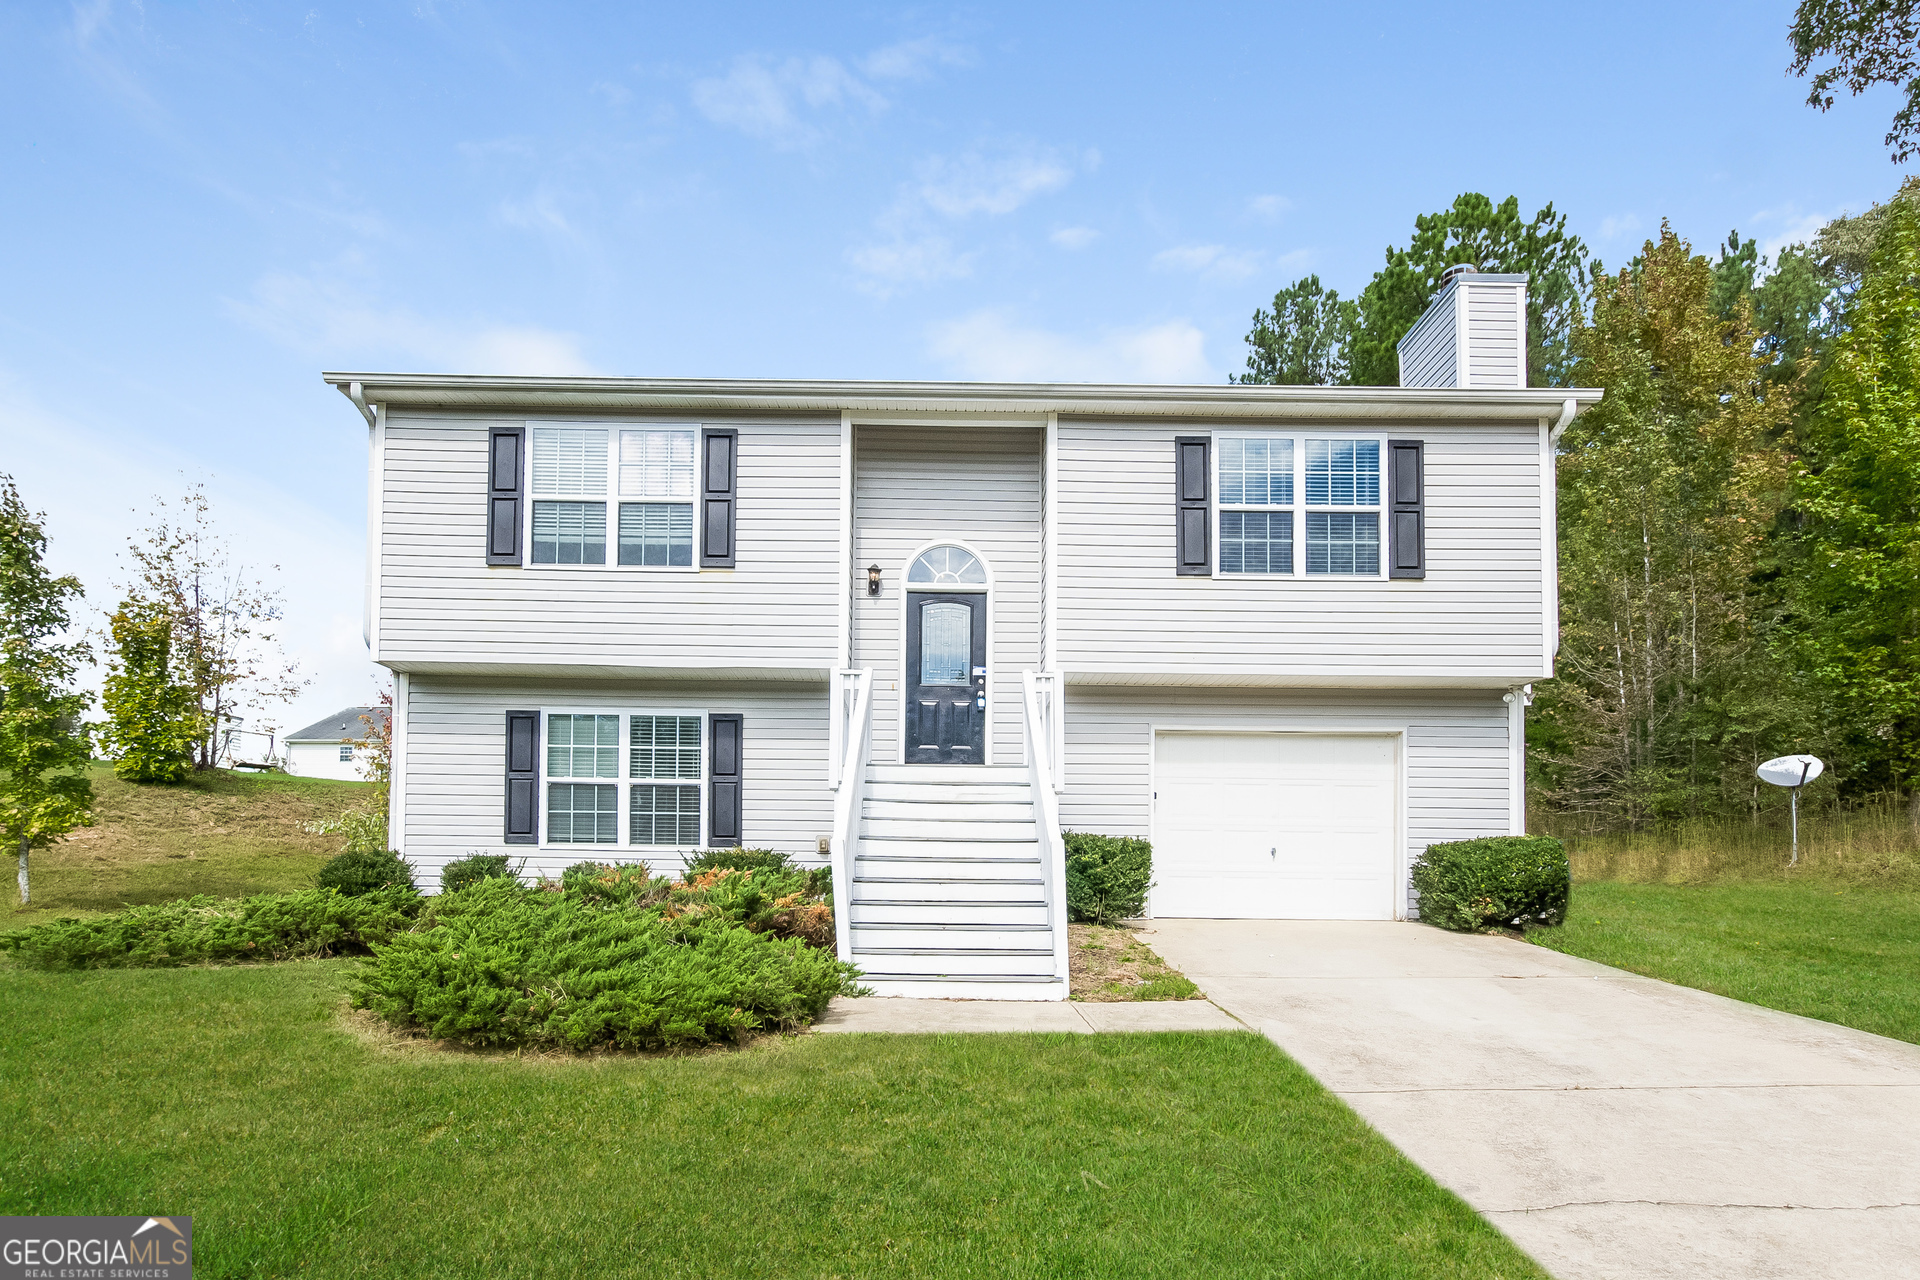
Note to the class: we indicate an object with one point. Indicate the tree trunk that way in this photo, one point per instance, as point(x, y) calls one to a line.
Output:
point(23, 871)
point(1913, 823)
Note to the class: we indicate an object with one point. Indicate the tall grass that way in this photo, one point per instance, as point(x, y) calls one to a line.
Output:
point(1870, 842)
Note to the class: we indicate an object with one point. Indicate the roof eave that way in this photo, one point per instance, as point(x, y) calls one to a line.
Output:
point(861, 397)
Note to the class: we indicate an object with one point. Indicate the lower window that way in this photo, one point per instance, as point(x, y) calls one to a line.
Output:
point(569, 533)
point(1256, 542)
point(582, 813)
point(665, 815)
point(1343, 542)
point(656, 533)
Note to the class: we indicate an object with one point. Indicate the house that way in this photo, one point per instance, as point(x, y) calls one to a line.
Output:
point(916, 629)
point(335, 747)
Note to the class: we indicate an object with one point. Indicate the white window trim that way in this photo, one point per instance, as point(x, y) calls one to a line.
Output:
point(622, 782)
point(1300, 506)
point(613, 428)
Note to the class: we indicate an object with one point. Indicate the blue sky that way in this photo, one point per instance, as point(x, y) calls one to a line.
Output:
point(209, 204)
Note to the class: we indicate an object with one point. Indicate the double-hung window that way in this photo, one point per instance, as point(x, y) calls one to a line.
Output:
point(1299, 505)
point(643, 476)
point(665, 809)
point(581, 751)
point(625, 779)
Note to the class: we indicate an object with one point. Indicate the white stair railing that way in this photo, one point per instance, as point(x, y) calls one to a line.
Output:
point(850, 738)
point(1042, 697)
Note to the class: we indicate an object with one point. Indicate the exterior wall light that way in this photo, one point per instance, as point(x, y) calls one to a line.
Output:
point(873, 579)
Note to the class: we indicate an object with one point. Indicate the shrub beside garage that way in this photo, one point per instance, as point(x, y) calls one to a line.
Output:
point(1512, 882)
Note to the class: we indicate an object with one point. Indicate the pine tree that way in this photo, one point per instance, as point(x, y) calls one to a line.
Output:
point(44, 789)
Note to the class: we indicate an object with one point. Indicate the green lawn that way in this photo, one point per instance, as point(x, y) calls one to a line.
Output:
point(1821, 948)
point(220, 833)
point(302, 1146)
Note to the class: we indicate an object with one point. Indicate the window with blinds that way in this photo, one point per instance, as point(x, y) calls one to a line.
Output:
point(644, 478)
point(1299, 505)
point(664, 747)
point(583, 747)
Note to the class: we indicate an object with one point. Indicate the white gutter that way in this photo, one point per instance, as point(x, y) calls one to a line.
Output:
point(938, 400)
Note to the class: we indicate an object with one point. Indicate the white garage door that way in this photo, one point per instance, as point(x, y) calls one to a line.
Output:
point(1274, 826)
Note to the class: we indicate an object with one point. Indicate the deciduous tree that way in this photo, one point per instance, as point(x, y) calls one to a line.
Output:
point(223, 617)
point(1853, 588)
point(44, 789)
point(153, 722)
point(1668, 488)
point(1871, 42)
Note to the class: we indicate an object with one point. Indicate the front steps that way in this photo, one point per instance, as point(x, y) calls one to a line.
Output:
point(948, 893)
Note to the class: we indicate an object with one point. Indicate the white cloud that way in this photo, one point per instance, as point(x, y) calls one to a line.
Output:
point(989, 346)
point(767, 100)
point(539, 212)
point(1074, 237)
point(895, 264)
point(1210, 261)
point(1614, 226)
point(328, 321)
point(1268, 208)
point(614, 95)
point(914, 249)
point(1779, 228)
point(972, 182)
point(912, 59)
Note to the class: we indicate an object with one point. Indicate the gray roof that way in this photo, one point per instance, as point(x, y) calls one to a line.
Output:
point(340, 726)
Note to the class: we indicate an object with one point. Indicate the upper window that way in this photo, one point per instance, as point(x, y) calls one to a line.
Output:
point(645, 476)
point(1291, 505)
point(947, 567)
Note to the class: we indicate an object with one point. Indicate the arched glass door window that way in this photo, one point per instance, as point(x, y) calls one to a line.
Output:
point(947, 567)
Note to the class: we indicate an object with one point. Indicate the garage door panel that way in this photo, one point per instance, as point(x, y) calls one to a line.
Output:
point(1278, 826)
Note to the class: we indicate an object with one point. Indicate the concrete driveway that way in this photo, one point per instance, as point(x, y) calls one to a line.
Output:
point(1612, 1125)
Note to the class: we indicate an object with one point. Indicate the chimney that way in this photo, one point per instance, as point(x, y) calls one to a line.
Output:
point(1474, 333)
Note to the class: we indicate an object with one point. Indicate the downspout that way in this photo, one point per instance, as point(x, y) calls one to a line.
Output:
point(1517, 699)
point(1568, 408)
point(359, 398)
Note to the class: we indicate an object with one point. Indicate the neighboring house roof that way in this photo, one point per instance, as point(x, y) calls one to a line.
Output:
point(341, 726)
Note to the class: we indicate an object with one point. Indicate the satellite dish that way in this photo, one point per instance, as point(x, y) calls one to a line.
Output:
point(1791, 771)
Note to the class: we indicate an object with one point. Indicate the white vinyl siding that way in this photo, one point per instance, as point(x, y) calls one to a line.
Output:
point(934, 483)
point(440, 604)
point(1455, 750)
point(1496, 337)
point(455, 753)
point(1123, 612)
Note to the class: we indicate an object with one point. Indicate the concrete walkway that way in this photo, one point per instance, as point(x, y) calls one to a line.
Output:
point(896, 1014)
point(1612, 1125)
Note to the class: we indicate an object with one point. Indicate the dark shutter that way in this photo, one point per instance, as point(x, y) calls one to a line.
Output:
point(506, 493)
point(723, 780)
point(1406, 509)
point(523, 777)
point(717, 498)
point(1192, 510)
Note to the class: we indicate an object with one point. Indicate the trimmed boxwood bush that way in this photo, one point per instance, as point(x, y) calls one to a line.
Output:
point(1516, 882)
point(355, 874)
point(269, 926)
point(1107, 877)
point(471, 870)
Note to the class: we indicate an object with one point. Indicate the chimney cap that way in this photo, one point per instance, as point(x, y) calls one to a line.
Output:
point(1459, 269)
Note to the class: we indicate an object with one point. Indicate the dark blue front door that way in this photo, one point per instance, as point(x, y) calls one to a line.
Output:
point(946, 685)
